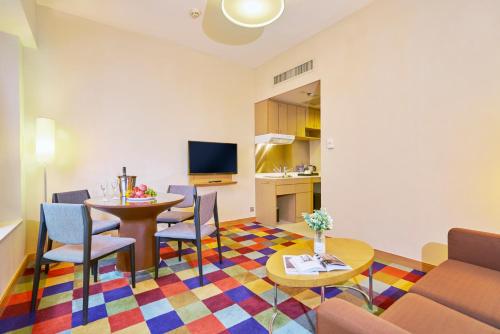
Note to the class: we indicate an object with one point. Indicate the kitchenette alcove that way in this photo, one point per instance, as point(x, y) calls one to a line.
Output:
point(287, 155)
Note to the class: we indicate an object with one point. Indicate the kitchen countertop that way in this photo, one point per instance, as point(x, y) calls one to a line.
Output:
point(276, 176)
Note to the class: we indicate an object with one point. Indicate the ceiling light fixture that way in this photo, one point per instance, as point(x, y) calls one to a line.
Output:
point(252, 13)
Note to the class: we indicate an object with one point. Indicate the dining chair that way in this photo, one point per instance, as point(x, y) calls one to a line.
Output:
point(71, 225)
point(173, 217)
point(79, 197)
point(205, 210)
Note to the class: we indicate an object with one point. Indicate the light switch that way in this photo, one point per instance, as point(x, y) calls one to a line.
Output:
point(329, 144)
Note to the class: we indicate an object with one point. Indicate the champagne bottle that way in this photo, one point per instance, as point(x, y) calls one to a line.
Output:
point(123, 183)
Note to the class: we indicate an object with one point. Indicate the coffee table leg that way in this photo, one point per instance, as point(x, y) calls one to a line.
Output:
point(275, 308)
point(370, 287)
point(367, 296)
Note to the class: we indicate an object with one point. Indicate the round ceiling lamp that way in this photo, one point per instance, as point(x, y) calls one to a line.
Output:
point(252, 13)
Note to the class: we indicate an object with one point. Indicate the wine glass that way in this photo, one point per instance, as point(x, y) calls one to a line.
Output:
point(104, 189)
point(114, 187)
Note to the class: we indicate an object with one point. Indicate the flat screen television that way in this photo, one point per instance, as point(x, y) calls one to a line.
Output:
point(212, 158)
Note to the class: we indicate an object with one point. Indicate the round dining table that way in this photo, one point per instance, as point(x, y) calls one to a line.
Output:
point(138, 221)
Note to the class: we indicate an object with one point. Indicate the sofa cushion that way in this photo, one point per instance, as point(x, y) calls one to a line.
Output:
point(341, 317)
point(474, 247)
point(417, 314)
point(466, 288)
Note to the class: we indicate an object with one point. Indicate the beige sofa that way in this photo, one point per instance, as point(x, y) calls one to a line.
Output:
point(462, 295)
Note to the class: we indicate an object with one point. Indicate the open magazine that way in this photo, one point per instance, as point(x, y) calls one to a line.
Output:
point(312, 264)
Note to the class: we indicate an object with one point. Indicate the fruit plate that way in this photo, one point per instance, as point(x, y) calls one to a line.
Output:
point(141, 199)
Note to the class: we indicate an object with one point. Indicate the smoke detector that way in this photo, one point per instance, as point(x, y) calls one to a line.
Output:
point(195, 13)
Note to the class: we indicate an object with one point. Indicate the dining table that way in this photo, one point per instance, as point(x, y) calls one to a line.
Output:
point(138, 221)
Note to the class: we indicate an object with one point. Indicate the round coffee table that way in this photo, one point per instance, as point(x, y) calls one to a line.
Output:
point(357, 254)
point(138, 221)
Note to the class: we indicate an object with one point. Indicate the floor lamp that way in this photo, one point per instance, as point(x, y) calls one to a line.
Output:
point(45, 146)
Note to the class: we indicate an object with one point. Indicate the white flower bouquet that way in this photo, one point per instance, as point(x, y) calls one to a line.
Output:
point(319, 220)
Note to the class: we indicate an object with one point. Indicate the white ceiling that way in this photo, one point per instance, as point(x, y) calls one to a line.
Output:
point(16, 18)
point(306, 96)
point(170, 19)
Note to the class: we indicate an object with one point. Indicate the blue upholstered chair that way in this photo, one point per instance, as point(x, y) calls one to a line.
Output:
point(71, 225)
point(79, 197)
point(205, 210)
point(173, 217)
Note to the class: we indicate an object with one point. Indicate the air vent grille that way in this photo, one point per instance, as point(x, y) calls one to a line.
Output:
point(298, 70)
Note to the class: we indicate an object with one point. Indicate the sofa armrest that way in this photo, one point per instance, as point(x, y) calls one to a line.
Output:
point(474, 247)
point(341, 317)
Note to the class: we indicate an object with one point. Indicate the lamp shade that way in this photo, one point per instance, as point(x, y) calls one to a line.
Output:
point(252, 13)
point(45, 139)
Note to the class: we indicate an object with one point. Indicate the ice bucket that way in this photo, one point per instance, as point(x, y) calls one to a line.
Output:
point(127, 183)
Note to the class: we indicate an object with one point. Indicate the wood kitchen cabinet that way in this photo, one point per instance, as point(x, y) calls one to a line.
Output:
point(283, 200)
point(266, 117)
point(303, 203)
point(273, 117)
point(291, 120)
point(312, 118)
point(301, 122)
point(282, 118)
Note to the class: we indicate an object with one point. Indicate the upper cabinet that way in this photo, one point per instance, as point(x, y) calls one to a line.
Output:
point(266, 117)
point(312, 119)
point(282, 118)
point(301, 121)
point(291, 115)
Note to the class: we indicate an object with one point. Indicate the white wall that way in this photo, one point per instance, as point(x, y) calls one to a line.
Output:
point(125, 99)
point(410, 95)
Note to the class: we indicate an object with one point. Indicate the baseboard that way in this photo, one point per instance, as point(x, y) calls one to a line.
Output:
point(8, 289)
point(238, 221)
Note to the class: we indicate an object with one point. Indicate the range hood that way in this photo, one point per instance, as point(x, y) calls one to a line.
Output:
point(274, 138)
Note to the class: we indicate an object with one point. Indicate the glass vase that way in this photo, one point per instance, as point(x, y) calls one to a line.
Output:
point(319, 242)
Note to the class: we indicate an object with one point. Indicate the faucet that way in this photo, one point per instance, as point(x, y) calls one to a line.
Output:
point(282, 169)
point(285, 171)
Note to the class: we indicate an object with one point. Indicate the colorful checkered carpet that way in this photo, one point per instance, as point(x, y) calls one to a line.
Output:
point(236, 297)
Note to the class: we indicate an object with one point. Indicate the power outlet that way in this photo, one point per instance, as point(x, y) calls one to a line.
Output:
point(252, 209)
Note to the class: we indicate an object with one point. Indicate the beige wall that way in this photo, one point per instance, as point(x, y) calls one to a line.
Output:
point(10, 118)
point(410, 96)
point(12, 248)
point(125, 99)
point(12, 231)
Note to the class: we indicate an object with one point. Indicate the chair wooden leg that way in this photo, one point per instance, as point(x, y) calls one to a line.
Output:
point(157, 255)
point(36, 283)
point(179, 249)
point(86, 279)
point(200, 262)
point(131, 255)
point(49, 247)
point(219, 247)
point(95, 270)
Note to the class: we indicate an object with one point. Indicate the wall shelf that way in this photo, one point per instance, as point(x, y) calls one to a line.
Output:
point(211, 180)
point(306, 138)
point(214, 184)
